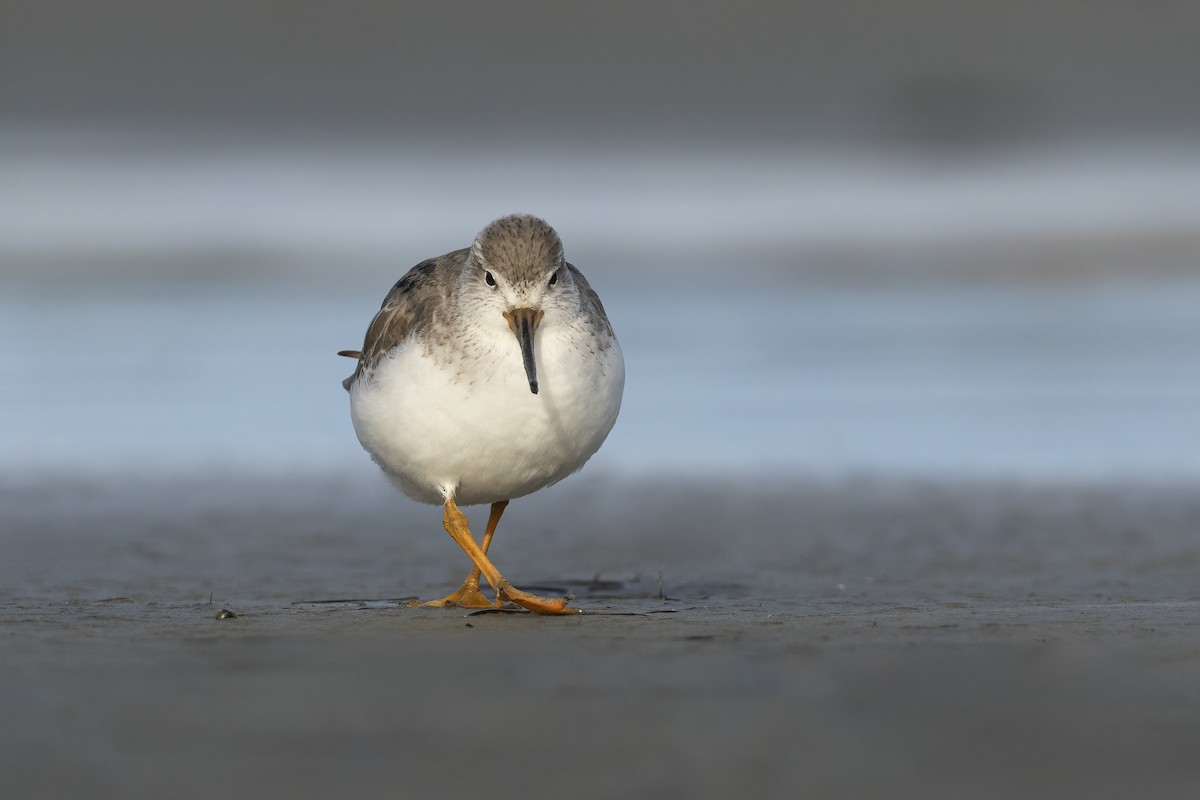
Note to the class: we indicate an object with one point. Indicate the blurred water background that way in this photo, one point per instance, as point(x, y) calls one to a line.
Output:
point(929, 238)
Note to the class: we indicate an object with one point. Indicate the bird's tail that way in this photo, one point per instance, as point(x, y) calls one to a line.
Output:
point(350, 354)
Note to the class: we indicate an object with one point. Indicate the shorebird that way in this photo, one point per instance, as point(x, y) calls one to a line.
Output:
point(489, 373)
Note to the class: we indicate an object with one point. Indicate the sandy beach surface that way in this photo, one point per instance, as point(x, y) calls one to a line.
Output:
point(809, 637)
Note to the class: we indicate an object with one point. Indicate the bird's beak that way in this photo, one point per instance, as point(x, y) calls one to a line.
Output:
point(524, 321)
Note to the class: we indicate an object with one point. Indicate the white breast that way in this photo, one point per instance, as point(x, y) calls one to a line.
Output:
point(470, 425)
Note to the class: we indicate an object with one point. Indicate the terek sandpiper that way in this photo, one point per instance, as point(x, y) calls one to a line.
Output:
point(489, 373)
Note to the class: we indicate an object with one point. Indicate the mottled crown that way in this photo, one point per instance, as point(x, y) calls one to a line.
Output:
point(520, 246)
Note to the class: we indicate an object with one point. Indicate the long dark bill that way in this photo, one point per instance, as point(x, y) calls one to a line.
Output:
point(524, 321)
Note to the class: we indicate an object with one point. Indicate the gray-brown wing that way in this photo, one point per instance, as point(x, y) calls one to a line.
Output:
point(405, 307)
point(590, 298)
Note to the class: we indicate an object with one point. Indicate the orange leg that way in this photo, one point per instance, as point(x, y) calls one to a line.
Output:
point(468, 595)
point(456, 525)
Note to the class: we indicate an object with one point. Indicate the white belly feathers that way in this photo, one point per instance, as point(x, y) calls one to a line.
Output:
point(478, 432)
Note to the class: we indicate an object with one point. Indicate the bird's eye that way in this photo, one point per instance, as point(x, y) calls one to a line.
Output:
point(554, 278)
point(487, 276)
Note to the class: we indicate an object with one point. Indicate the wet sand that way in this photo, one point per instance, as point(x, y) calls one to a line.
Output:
point(832, 638)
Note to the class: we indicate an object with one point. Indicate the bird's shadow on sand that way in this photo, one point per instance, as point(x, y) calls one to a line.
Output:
point(636, 596)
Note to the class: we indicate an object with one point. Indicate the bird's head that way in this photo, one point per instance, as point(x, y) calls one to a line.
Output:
point(516, 269)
